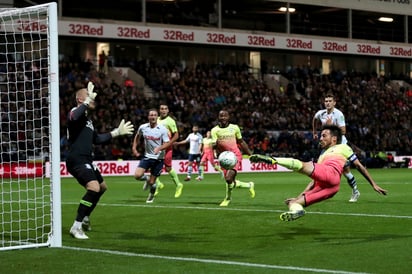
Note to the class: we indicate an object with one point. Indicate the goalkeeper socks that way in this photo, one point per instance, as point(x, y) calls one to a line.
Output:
point(290, 163)
point(173, 174)
point(86, 204)
point(100, 194)
point(351, 181)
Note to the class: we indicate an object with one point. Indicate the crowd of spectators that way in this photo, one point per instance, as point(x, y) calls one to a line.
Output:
point(273, 120)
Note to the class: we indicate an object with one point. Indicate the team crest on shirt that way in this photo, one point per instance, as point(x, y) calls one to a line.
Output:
point(89, 124)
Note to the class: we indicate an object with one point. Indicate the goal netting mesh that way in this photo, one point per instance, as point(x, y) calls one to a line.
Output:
point(29, 125)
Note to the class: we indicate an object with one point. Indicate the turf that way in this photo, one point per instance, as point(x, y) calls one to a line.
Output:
point(193, 234)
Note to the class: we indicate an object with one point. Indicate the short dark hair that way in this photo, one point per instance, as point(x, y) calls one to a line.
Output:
point(334, 131)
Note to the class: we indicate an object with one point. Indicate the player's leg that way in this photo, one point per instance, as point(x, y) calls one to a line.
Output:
point(352, 183)
point(230, 176)
point(139, 173)
point(240, 184)
point(86, 225)
point(197, 160)
point(86, 178)
point(155, 171)
point(189, 168)
point(172, 173)
point(290, 163)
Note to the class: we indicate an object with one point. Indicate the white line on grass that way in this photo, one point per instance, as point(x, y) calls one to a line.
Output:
point(209, 261)
point(252, 210)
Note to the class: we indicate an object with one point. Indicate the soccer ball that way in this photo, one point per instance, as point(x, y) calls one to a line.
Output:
point(227, 159)
point(295, 207)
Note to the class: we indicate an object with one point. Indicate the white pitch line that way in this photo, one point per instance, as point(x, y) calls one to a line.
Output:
point(250, 210)
point(210, 261)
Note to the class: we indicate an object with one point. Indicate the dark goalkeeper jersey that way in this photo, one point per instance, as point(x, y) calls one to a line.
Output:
point(82, 136)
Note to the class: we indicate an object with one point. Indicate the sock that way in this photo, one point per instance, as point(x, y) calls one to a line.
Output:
point(99, 194)
point(157, 181)
point(201, 170)
point(153, 188)
point(173, 174)
point(351, 181)
point(77, 224)
point(290, 163)
point(240, 184)
point(189, 171)
point(145, 177)
point(86, 204)
point(217, 168)
point(229, 188)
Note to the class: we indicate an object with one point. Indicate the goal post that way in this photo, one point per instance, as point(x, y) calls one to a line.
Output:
point(30, 201)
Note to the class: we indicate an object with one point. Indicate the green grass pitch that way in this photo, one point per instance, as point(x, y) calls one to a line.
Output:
point(193, 234)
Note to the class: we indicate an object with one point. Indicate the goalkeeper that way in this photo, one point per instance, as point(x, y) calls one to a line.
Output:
point(81, 137)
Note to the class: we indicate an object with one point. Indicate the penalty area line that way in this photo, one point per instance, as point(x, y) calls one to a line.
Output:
point(210, 261)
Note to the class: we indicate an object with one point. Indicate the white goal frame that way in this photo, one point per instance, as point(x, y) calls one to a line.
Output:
point(30, 205)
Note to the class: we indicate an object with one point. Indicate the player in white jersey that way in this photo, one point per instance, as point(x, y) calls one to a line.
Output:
point(333, 116)
point(195, 143)
point(156, 140)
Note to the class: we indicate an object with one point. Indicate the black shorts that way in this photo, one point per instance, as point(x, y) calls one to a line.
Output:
point(85, 173)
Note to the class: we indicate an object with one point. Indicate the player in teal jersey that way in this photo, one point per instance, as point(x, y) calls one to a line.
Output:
point(326, 172)
point(227, 137)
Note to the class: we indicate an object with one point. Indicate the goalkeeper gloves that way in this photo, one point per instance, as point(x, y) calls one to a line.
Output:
point(91, 95)
point(123, 129)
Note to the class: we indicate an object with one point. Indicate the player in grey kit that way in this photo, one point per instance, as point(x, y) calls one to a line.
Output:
point(333, 116)
point(81, 137)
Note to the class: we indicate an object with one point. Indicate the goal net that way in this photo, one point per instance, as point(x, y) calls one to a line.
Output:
point(29, 135)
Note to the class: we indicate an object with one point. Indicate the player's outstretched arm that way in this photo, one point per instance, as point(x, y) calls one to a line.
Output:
point(368, 177)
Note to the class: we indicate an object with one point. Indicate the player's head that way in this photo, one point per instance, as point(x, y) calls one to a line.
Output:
point(81, 96)
point(223, 118)
point(329, 101)
point(208, 134)
point(163, 111)
point(152, 116)
point(330, 136)
point(195, 128)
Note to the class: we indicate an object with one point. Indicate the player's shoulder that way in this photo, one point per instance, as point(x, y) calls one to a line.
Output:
point(232, 125)
point(337, 111)
point(143, 126)
point(345, 148)
point(320, 112)
point(161, 127)
point(215, 128)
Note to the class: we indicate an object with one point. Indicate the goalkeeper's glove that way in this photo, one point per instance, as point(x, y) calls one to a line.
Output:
point(123, 129)
point(91, 95)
